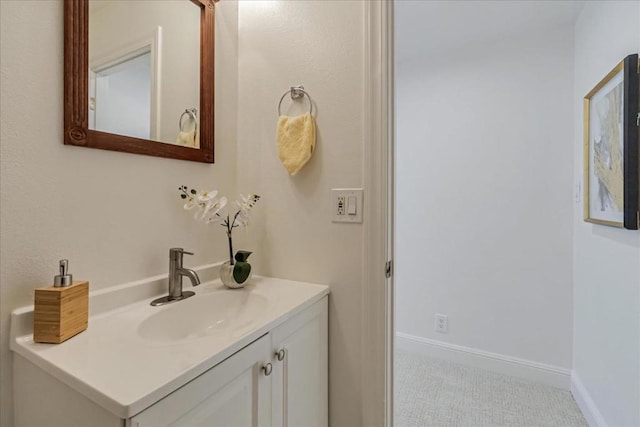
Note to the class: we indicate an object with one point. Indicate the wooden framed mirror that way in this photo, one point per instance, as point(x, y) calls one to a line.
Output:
point(167, 127)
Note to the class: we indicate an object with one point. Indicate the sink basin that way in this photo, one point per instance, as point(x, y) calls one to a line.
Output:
point(224, 313)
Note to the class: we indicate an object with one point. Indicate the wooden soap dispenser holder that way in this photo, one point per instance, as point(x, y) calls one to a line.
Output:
point(62, 310)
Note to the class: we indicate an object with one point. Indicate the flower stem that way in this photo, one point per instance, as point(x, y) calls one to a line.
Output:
point(229, 230)
point(230, 249)
point(233, 224)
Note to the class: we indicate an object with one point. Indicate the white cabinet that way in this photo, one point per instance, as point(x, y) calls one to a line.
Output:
point(300, 386)
point(279, 380)
point(270, 371)
point(235, 392)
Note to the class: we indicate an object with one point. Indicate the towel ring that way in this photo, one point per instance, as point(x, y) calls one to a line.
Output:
point(296, 92)
point(193, 113)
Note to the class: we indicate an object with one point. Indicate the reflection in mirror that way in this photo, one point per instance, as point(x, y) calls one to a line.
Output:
point(144, 69)
point(120, 97)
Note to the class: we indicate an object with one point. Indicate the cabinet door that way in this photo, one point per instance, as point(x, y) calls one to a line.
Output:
point(300, 380)
point(234, 393)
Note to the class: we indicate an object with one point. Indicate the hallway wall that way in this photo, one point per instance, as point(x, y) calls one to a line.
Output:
point(484, 196)
point(606, 338)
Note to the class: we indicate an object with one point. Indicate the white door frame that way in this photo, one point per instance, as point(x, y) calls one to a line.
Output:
point(151, 44)
point(377, 337)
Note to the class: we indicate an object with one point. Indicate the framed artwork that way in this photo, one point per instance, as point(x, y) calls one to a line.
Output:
point(611, 148)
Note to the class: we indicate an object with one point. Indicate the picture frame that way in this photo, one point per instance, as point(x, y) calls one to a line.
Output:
point(612, 148)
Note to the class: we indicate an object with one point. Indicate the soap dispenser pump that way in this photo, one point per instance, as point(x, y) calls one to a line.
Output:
point(63, 279)
point(62, 310)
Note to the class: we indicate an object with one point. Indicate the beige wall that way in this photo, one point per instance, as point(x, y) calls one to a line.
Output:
point(113, 215)
point(318, 44)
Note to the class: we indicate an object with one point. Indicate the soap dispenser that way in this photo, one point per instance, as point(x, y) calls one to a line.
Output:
point(62, 310)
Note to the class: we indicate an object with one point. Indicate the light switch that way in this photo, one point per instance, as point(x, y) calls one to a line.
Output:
point(351, 205)
point(346, 205)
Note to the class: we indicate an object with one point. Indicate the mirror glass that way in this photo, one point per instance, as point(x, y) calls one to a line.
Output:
point(144, 69)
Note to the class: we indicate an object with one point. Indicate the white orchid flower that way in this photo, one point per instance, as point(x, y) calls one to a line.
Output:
point(191, 197)
point(199, 213)
point(244, 206)
point(208, 209)
point(247, 202)
point(207, 196)
point(202, 199)
point(190, 203)
point(206, 201)
point(212, 212)
point(204, 208)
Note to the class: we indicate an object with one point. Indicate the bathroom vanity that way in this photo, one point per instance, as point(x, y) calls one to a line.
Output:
point(243, 357)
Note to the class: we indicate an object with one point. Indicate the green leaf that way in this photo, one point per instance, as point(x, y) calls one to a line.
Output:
point(242, 256)
point(241, 271)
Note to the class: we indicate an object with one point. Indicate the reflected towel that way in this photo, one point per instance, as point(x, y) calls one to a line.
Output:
point(296, 141)
point(188, 139)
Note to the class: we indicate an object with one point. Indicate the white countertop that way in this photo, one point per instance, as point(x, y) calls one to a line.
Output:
point(113, 366)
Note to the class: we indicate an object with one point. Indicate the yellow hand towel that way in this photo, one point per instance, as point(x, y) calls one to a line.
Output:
point(188, 139)
point(296, 141)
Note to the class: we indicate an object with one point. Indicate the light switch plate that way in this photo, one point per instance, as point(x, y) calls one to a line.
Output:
point(342, 208)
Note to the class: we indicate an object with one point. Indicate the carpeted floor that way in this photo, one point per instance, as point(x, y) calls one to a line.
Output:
point(431, 392)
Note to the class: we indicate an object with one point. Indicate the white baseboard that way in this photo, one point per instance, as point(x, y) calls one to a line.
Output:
point(585, 402)
point(554, 376)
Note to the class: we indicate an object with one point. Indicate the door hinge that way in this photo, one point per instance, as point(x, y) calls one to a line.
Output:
point(388, 269)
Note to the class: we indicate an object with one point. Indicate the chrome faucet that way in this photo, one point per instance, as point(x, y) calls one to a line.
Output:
point(176, 271)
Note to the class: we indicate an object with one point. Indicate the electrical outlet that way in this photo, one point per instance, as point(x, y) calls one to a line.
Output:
point(346, 205)
point(340, 207)
point(442, 323)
